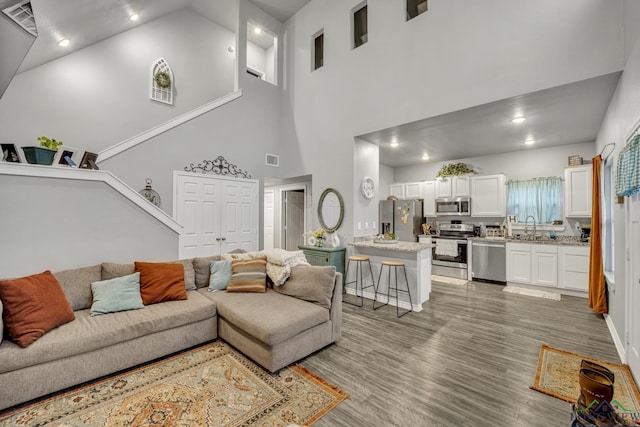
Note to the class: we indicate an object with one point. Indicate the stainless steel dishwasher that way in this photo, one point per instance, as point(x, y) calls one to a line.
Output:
point(488, 261)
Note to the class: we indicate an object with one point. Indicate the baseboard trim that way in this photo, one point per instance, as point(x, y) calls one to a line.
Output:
point(616, 338)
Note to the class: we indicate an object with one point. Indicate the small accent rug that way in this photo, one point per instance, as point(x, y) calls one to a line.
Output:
point(558, 372)
point(212, 385)
point(532, 292)
point(449, 280)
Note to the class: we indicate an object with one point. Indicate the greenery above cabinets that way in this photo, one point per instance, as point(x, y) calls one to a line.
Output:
point(455, 169)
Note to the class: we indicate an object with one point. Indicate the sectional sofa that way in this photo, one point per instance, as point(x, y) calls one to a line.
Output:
point(271, 328)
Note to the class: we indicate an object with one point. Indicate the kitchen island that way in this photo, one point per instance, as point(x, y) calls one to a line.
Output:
point(417, 260)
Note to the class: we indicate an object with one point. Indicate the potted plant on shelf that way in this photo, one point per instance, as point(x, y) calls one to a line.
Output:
point(43, 154)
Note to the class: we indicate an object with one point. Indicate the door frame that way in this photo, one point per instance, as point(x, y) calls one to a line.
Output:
point(282, 207)
point(630, 250)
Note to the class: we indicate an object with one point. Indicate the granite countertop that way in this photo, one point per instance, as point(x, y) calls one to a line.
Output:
point(393, 247)
point(544, 240)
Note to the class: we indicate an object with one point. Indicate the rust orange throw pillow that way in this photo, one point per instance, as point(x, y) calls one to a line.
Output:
point(161, 282)
point(33, 306)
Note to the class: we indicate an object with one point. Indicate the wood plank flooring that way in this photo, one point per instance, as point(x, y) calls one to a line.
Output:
point(468, 359)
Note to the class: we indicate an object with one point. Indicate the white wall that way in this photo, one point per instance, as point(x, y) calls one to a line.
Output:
point(98, 96)
point(59, 224)
point(256, 57)
point(366, 164)
point(622, 116)
point(386, 177)
point(461, 53)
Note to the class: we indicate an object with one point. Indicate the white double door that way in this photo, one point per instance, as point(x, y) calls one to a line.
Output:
point(218, 214)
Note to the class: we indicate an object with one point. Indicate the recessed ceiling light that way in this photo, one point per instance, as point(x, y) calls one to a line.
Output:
point(257, 30)
point(530, 141)
point(394, 143)
point(425, 156)
point(64, 43)
point(518, 119)
point(134, 17)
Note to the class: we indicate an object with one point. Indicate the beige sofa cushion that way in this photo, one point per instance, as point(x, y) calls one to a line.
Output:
point(88, 333)
point(202, 268)
point(270, 317)
point(76, 285)
point(310, 283)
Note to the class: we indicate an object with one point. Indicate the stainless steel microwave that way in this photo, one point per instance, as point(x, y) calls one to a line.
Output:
point(453, 206)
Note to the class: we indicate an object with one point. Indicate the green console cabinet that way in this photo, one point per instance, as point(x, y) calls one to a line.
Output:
point(325, 256)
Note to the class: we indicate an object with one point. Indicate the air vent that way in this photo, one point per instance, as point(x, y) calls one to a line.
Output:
point(22, 14)
point(272, 160)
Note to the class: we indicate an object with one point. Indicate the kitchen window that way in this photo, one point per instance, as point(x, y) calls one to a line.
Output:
point(537, 197)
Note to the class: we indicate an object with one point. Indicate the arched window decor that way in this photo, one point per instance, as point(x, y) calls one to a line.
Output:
point(162, 82)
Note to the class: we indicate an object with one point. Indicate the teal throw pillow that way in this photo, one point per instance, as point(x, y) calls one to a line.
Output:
point(220, 275)
point(119, 294)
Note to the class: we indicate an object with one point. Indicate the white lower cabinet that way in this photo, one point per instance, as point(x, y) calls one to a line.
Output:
point(547, 265)
point(518, 262)
point(574, 268)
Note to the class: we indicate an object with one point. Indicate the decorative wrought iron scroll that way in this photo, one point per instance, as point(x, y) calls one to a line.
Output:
point(219, 166)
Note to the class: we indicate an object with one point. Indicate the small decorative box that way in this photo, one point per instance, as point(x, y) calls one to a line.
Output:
point(575, 160)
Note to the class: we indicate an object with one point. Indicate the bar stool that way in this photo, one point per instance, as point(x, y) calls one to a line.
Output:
point(395, 264)
point(359, 259)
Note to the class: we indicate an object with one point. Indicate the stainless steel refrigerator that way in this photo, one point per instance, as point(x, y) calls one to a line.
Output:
point(402, 217)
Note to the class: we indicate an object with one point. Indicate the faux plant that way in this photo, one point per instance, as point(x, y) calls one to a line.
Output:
point(454, 169)
point(49, 143)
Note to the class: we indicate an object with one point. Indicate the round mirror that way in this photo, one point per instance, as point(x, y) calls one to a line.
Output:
point(330, 210)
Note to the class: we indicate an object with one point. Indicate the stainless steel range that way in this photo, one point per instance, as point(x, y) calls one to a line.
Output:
point(450, 252)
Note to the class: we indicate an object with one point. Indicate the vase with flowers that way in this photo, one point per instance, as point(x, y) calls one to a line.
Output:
point(321, 236)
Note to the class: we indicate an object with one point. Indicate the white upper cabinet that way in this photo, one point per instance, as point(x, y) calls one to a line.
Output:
point(429, 193)
point(413, 190)
point(397, 190)
point(452, 186)
point(488, 196)
point(577, 192)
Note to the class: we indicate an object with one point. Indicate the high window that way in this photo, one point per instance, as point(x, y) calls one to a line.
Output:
point(415, 8)
point(538, 197)
point(359, 26)
point(318, 50)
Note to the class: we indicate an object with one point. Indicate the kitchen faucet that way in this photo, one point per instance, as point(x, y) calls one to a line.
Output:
point(526, 227)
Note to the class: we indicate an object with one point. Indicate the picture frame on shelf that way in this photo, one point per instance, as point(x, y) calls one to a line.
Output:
point(63, 153)
point(89, 161)
point(9, 153)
